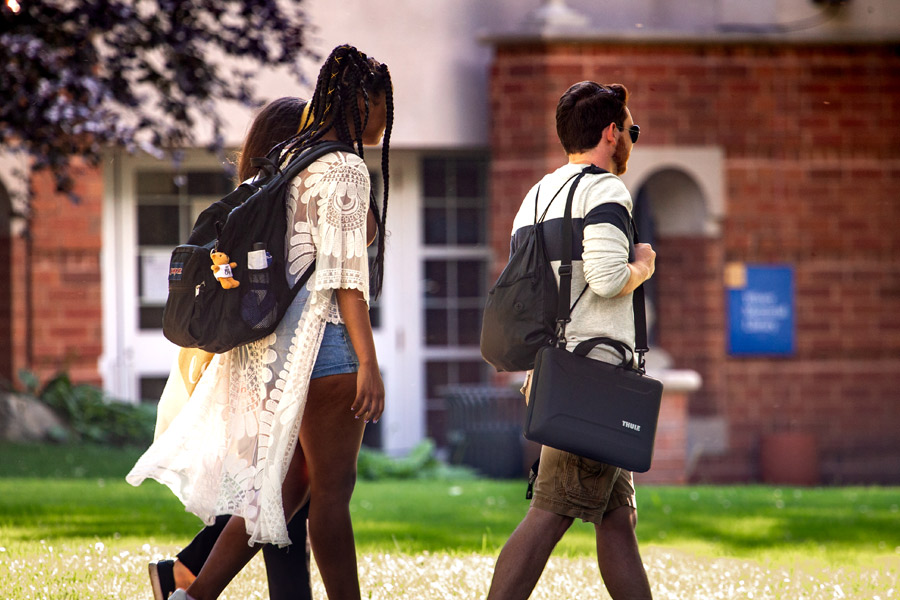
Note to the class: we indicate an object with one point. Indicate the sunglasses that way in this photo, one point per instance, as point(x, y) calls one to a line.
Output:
point(634, 131)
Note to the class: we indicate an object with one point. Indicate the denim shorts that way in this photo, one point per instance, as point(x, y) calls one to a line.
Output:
point(336, 354)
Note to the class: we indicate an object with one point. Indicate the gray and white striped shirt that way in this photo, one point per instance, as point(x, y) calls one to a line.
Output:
point(601, 247)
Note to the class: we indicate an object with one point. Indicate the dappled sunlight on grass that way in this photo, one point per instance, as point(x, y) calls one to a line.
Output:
point(98, 570)
point(119, 570)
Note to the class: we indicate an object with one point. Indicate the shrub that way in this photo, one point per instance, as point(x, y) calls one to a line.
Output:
point(94, 417)
point(420, 463)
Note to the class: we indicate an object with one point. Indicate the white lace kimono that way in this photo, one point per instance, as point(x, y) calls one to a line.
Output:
point(228, 450)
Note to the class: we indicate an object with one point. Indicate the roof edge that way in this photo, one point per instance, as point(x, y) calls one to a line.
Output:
point(669, 38)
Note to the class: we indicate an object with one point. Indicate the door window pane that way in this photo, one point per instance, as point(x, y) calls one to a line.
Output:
point(434, 176)
point(470, 279)
point(435, 279)
point(454, 191)
point(158, 225)
point(437, 327)
point(470, 227)
point(439, 374)
point(168, 203)
point(435, 226)
point(151, 317)
point(208, 183)
point(452, 288)
point(156, 183)
point(152, 388)
point(454, 273)
point(470, 177)
point(469, 326)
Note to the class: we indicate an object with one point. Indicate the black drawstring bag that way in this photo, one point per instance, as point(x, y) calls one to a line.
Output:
point(520, 311)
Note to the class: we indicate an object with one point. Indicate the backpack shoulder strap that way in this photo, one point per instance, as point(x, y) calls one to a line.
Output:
point(537, 195)
point(307, 156)
point(547, 208)
point(266, 165)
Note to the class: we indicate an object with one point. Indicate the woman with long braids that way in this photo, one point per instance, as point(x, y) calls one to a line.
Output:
point(234, 447)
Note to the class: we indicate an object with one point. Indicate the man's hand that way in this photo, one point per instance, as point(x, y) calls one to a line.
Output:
point(645, 258)
point(641, 269)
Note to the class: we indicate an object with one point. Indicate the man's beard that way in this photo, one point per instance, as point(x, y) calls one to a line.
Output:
point(620, 156)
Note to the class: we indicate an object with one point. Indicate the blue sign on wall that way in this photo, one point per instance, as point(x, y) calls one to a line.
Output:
point(760, 309)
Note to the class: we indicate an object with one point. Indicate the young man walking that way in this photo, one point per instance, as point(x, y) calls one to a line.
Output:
point(595, 126)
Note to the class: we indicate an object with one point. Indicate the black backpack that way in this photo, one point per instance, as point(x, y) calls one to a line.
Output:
point(200, 312)
point(520, 314)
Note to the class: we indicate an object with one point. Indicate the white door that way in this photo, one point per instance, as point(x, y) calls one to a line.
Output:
point(150, 207)
point(428, 320)
point(395, 315)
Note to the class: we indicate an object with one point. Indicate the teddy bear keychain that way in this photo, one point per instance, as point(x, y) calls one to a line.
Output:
point(222, 270)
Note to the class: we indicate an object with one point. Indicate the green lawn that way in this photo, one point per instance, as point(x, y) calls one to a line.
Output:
point(66, 493)
point(838, 525)
point(70, 527)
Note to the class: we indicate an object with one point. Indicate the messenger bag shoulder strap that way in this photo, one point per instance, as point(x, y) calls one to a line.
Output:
point(565, 280)
point(638, 299)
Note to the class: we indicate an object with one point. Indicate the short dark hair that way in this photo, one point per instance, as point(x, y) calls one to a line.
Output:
point(585, 110)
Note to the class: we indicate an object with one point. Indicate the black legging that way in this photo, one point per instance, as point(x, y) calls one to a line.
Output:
point(287, 569)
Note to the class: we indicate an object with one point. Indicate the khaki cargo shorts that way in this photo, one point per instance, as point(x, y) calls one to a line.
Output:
point(579, 487)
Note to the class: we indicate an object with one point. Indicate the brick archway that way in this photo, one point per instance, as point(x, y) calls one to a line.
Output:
point(676, 216)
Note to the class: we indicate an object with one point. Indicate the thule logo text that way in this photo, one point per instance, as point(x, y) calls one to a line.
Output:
point(628, 425)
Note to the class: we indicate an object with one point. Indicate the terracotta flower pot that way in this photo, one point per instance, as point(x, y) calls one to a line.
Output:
point(789, 458)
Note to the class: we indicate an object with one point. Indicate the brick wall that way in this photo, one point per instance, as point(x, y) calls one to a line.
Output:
point(670, 446)
point(691, 319)
point(811, 137)
point(17, 299)
point(66, 312)
point(6, 360)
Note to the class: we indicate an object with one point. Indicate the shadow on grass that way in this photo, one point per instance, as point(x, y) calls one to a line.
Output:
point(32, 510)
point(70, 461)
point(744, 519)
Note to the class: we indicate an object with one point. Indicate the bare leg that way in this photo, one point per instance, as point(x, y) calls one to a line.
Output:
point(331, 437)
point(232, 550)
point(619, 558)
point(183, 576)
point(525, 554)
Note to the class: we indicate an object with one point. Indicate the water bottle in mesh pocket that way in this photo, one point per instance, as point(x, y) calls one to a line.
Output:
point(258, 306)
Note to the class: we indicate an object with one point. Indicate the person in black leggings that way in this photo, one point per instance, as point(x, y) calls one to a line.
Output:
point(287, 569)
